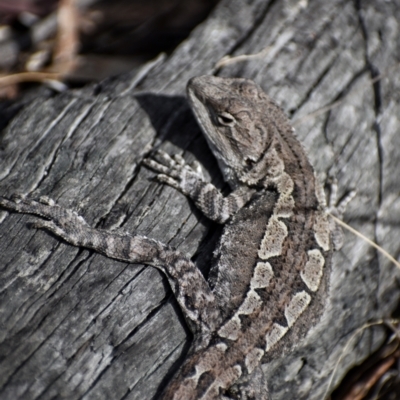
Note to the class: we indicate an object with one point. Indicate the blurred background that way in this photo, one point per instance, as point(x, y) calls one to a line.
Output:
point(72, 42)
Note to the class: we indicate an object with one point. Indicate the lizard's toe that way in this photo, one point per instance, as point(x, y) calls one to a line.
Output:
point(47, 200)
point(17, 197)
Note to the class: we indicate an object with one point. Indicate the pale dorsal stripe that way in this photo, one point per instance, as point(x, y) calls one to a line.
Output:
point(251, 303)
point(322, 230)
point(262, 275)
point(274, 335)
point(222, 347)
point(285, 185)
point(296, 307)
point(319, 192)
point(276, 231)
point(285, 204)
point(231, 329)
point(313, 270)
point(253, 359)
point(272, 242)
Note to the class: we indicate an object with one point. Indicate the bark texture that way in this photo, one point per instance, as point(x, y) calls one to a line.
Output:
point(77, 325)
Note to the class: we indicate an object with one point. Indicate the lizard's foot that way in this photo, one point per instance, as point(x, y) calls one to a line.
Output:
point(338, 207)
point(61, 221)
point(175, 172)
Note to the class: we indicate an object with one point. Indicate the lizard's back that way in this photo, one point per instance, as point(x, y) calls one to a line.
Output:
point(272, 265)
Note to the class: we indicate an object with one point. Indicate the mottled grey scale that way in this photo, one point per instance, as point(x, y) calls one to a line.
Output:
point(223, 381)
point(97, 242)
point(313, 269)
point(274, 335)
point(197, 193)
point(204, 383)
point(276, 230)
point(218, 208)
point(297, 305)
point(231, 329)
point(125, 250)
point(272, 243)
point(261, 277)
point(322, 230)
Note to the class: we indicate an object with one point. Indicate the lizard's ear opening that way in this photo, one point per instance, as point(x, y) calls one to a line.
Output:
point(226, 119)
point(249, 163)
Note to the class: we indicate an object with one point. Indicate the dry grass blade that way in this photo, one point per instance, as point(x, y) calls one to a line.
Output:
point(28, 77)
point(369, 241)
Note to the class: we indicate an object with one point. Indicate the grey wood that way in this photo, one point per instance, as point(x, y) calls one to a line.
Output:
point(75, 324)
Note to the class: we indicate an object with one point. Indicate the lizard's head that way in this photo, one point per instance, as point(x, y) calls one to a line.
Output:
point(233, 113)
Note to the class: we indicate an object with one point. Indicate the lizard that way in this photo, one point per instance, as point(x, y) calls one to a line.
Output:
point(269, 278)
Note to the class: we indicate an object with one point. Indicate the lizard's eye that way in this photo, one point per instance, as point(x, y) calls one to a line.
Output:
point(226, 119)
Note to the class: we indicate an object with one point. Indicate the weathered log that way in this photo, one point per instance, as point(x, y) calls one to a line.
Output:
point(75, 324)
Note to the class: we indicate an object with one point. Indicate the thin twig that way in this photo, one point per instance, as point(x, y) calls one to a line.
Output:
point(369, 241)
point(344, 351)
point(389, 323)
point(224, 61)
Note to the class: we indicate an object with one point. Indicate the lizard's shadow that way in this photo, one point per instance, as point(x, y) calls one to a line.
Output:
point(174, 122)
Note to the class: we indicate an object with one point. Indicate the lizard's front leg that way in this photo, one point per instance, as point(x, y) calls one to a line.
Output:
point(190, 181)
point(188, 284)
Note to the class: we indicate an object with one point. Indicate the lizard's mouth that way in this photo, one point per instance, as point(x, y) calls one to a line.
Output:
point(198, 99)
point(201, 94)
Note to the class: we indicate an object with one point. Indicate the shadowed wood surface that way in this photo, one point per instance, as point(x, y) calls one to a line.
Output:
point(75, 324)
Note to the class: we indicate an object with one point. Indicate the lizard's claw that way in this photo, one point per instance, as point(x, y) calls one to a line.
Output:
point(17, 197)
point(47, 200)
point(197, 168)
point(179, 159)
